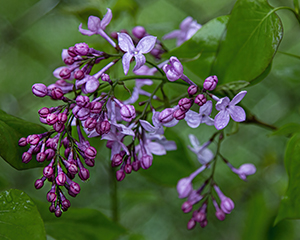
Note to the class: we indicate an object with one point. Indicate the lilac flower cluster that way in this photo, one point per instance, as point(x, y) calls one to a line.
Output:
point(89, 104)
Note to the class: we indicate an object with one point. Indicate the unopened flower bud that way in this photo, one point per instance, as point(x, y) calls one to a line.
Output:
point(79, 74)
point(90, 123)
point(60, 179)
point(65, 73)
point(39, 90)
point(39, 183)
point(49, 153)
point(192, 90)
point(220, 215)
point(96, 107)
point(191, 224)
point(74, 188)
point(127, 112)
point(203, 223)
point(89, 162)
point(26, 157)
point(184, 187)
point(82, 101)
point(210, 83)
point(81, 49)
point(65, 204)
point(57, 212)
point(146, 161)
point(179, 114)
point(128, 168)
point(186, 207)
point(48, 171)
point(22, 142)
point(43, 112)
point(84, 174)
point(33, 139)
point(136, 165)
point(71, 51)
point(62, 117)
point(51, 118)
point(116, 160)
point(200, 99)
point(120, 175)
point(105, 78)
point(59, 127)
point(185, 103)
point(69, 60)
point(41, 156)
point(174, 71)
point(166, 115)
point(90, 152)
point(227, 204)
point(139, 32)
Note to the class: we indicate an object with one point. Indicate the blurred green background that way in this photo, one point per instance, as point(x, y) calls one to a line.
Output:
point(32, 35)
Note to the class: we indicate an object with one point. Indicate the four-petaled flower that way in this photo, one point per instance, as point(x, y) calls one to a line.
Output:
point(145, 45)
point(188, 27)
point(228, 108)
point(204, 154)
point(194, 119)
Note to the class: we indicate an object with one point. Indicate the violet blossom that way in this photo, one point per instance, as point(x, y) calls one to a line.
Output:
point(204, 154)
point(229, 109)
point(194, 119)
point(188, 27)
point(145, 45)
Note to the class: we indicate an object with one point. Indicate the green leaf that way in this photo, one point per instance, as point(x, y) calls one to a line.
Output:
point(168, 169)
point(287, 129)
point(19, 217)
point(80, 223)
point(290, 203)
point(253, 35)
point(204, 44)
point(232, 86)
point(11, 130)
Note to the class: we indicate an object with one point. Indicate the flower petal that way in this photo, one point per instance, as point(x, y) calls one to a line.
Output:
point(185, 24)
point(146, 44)
point(238, 98)
point(134, 96)
point(206, 108)
point(84, 31)
point(156, 148)
point(93, 23)
point(207, 120)
point(173, 34)
point(221, 119)
point(222, 103)
point(171, 123)
point(125, 42)
point(147, 126)
point(126, 62)
point(106, 19)
point(205, 156)
point(237, 113)
point(140, 61)
point(194, 141)
point(192, 119)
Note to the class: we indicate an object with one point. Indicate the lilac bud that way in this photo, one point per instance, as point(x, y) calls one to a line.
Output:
point(146, 161)
point(62, 117)
point(186, 207)
point(65, 73)
point(59, 127)
point(79, 74)
point(90, 152)
point(200, 216)
point(67, 152)
point(139, 32)
point(43, 112)
point(65, 204)
point(41, 156)
point(74, 188)
point(192, 90)
point(244, 170)
point(61, 179)
point(191, 224)
point(69, 60)
point(114, 35)
point(116, 160)
point(90, 123)
point(49, 153)
point(82, 101)
point(227, 204)
point(136, 165)
point(51, 118)
point(57, 212)
point(84, 174)
point(105, 78)
point(128, 168)
point(179, 114)
point(52, 207)
point(127, 112)
point(48, 171)
point(39, 183)
point(71, 52)
point(103, 127)
point(203, 223)
point(22, 142)
point(81, 49)
point(89, 162)
point(51, 196)
point(174, 71)
point(96, 107)
point(26, 157)
point(120, 175)
point(83, 114)
point(73, 169)
point(184, 187)
point(33, 139)
point(200, 99)
point(185, 103)
point(39, 90)
point(220, 215)
point(166, 115)
point(210, 83)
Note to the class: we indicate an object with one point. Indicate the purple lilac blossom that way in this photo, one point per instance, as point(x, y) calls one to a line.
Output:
point(188, 27)
point(194, 119)
point(244, 170)
point(97, 26)
point(229, 109)
point(204, 154)
point(145, 45)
